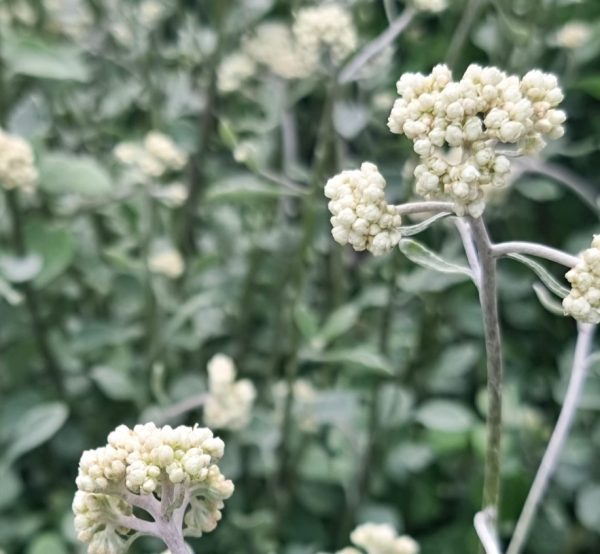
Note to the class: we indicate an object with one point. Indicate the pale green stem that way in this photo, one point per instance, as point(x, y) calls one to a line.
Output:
point(493, 346)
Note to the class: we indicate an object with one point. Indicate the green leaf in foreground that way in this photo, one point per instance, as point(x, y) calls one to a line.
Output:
point(38, 425)
point(421, 255)
point(547, 300)
point(411, 230)
point(543, 274)
point(67, 174)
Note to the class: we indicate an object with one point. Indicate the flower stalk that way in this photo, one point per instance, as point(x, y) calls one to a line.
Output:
point(493, 346)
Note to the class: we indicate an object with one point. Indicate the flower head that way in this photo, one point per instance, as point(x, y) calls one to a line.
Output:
point(157, 155)
point(272, 45)
point(456, 127)
point(229, 404)
point(139, 466)
point(361, 216)
point(234, 70)
point(325, 31)
point(17, 169)
point(583, 301)
point(573, 34)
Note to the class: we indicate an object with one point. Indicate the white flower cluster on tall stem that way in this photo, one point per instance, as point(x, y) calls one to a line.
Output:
point(573, 34)
point(472, 117)
point(229, 404)
point(157, 155)
point(583, 301)
point(272, 45)
point(171, 473)
point(234, 70)
point(380, 538)
point(434, 6)
point(325, 32)
point(361, 216)
point(17, 169)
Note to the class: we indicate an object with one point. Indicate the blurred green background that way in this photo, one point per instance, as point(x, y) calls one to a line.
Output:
point(388, 422)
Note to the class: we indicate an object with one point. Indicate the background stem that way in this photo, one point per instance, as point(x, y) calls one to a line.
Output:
point(40, 332)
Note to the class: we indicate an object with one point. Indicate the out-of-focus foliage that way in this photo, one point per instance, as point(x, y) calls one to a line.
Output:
point(127, 284)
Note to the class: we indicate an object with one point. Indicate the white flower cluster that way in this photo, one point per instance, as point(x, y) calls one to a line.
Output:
point(360, 215)
point(485, 108)
point(167, 261)
point(234, 70)
point(229, 404)
point(583, 301)
point(272, 45)
point(573, 34)
point(325, 31)
point(17, 168)
point(155, 157)
point(434, 6)
point(380, 538)
point(142, 461)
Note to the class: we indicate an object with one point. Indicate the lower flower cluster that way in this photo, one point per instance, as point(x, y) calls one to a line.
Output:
point(141, 466)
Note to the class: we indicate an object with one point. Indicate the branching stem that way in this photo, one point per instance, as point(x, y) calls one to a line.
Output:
point(533, 249)
point(493, 346)
point(422, 207)
point(376, 46)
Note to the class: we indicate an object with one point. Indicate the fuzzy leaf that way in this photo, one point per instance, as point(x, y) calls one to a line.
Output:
point(543, 274)
point(419, 254)
point(411, 230)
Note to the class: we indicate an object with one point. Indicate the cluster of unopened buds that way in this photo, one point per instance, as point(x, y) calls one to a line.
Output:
point(361, 216)
point(229, 403)
point(17, 169)
point(171, 473)
point(157, 155)
point(379, 538)
point(583, 301)
point(456, 129)
point(325, 31)
point(458, 126)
